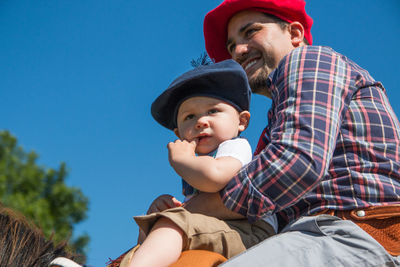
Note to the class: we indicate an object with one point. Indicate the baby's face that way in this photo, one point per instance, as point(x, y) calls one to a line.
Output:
point(209, 121)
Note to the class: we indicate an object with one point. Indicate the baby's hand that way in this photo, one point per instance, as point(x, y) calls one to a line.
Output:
point(164, 202)
point(180, 150)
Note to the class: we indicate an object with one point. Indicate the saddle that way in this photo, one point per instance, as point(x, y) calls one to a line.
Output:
point(194, 258)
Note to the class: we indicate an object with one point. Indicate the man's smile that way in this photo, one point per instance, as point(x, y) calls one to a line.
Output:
point(251, 63)
point(248, 63)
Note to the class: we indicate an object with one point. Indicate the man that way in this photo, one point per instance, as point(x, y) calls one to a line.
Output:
point(331, 147)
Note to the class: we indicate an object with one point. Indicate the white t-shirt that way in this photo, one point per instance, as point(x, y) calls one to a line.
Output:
point(238, 148)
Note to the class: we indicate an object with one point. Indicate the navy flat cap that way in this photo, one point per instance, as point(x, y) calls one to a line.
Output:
point(225, 80)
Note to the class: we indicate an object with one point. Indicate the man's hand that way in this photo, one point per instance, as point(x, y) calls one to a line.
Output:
point(211, 204)
point(163, 202)
point(180, 150)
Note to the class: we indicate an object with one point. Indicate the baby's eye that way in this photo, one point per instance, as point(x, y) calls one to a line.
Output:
point(212, 111)
point(188, 117)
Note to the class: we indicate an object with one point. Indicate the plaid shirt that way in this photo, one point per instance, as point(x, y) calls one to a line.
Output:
point(332, 142)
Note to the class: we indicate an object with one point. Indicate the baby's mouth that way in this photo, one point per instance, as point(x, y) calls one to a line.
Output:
point(202, 138)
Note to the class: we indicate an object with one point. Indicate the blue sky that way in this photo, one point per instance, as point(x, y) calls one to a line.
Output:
point(77, 79)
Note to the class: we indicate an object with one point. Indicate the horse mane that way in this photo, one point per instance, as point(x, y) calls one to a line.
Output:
point(24, 244)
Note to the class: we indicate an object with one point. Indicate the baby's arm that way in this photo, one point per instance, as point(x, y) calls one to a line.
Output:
point(205, 173)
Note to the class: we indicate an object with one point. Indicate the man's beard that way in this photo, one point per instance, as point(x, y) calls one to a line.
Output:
point(258, 84)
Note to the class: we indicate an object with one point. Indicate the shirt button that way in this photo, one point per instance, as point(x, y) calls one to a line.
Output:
point(360, 213)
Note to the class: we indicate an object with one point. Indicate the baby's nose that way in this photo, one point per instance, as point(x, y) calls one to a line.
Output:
point(202, 122)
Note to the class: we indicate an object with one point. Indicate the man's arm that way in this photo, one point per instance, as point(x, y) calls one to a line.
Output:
point(311, 90)
point(210, 204)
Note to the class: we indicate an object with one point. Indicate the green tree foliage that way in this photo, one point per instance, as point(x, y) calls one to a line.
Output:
point(41, 193)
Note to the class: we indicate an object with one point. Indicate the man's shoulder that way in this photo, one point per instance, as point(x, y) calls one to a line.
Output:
point(305, 59)
point(308, 55)
point(306, 52)
point(313, 58)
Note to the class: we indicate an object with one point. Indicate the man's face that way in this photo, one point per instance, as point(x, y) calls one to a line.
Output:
point(257, 43)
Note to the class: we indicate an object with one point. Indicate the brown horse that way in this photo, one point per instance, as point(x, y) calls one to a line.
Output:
point(23, 244)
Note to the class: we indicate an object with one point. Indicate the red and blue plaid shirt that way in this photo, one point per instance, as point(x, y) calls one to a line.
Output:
point(332, 142)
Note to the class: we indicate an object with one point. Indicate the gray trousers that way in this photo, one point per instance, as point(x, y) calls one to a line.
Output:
point(322, 240)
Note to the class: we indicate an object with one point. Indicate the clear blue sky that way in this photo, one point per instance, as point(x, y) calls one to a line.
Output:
point(77, 79)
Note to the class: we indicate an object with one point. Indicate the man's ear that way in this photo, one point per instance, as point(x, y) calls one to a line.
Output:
point(176, 132)
point(244, 119)
point(296, 31)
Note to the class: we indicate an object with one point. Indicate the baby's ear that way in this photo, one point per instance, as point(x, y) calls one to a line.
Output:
point(244, 119)
point(177, 133)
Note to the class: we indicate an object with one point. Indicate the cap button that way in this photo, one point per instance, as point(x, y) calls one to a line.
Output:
point(360, 213)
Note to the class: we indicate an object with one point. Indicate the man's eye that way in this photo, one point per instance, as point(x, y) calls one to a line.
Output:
point(189, 117)
point(230, 48)
point(249, 32)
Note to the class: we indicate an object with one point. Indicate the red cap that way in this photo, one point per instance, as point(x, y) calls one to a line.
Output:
point(216, 21)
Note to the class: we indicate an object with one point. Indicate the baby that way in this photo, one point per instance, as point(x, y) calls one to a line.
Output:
point(207, 108)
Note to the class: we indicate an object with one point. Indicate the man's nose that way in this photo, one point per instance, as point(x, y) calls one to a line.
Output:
point(239, 51)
